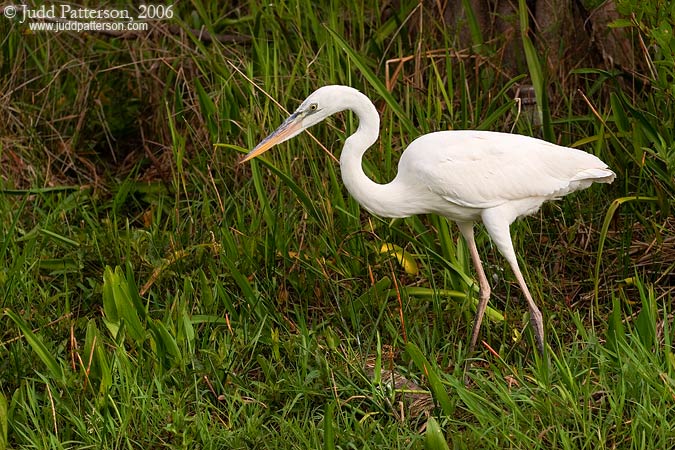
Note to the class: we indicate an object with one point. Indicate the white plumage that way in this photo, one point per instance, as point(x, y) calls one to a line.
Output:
point(465, 176)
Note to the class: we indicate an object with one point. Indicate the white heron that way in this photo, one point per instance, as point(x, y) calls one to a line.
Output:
point(464, 175)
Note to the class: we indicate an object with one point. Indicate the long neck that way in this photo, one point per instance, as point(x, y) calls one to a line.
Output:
point(383, 200)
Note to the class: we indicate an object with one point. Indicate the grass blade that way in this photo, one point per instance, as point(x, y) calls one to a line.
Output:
point(603, 237)
point(645, 323)
point(616, 332)
point(416, 291)
point(209, 111)
point(166, 349)
point(97, 360)
point(474, 26)
point(437, 387)
point(376, 83)
point(38, 346)
point(3, 422)
point(292, 185)
point(536, 72)
point(328, 430)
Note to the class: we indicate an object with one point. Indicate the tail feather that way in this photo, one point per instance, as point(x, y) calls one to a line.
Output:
point(595, 175)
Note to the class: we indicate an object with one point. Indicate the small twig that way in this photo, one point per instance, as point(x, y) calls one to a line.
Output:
point(210, 386)
point(400, 304)
point(73, 346)
point(600, 118)
point(91, 358)
point(35, 330)
point(490, 349)
point(215, 188)
point(51, 401)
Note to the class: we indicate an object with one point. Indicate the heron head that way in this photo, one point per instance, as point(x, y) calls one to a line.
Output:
point(320, 104)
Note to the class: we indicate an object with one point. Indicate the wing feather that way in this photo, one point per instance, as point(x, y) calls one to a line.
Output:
point(480, 169)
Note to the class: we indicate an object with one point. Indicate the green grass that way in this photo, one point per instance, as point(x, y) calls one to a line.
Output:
point(156, 294)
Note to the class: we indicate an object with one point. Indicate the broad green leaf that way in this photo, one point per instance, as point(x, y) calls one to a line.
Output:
point(434, 438)
point(119, 304)
point(166, 347)
point(125, 307)
point(620, 117)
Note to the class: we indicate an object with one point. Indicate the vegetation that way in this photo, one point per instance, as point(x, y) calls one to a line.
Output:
point(155, 294)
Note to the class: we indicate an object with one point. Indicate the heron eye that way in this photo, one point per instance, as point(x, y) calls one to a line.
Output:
point(313, 107)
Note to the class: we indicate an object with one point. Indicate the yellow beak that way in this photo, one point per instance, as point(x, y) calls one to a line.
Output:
point(291, 127)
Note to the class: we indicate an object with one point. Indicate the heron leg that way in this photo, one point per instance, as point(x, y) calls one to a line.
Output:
point(497, 224)
point(466, 228)
point(536, 318)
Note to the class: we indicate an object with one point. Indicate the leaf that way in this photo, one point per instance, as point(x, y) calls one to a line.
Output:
point(57, 237)
point(620, 23)
point(378, 290)
point(186, 332)
point(328, 430)
point(434, 439)
point(415, 291)
point(121, 305)
point(166, 348)
point(377, 370)
point(109, 307)
point(620, 117)
point(437, 387)
point(208, 108)
point(603, 237)
point(404, 258)
point(59, 265)
point(98, 364)
point(205, 290)
point(125, 307)
point(386, 31)
point(132, 290)
point(45, 355)
point(616, 333)
point(4, 422)
point(474, 26)
point(292, 185)
point(488, 122)
point(645, 323)
point(241, 280)
point(536, 72)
